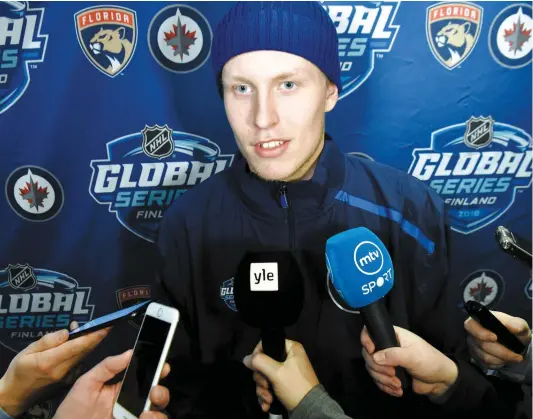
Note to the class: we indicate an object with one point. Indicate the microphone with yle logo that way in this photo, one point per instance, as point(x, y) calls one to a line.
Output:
point(361, 272)
point(268, 294)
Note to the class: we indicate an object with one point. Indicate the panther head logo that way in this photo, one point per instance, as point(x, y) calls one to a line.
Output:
point(107, 36)
point(452, 30)
point(457, 39)
point(114, 45)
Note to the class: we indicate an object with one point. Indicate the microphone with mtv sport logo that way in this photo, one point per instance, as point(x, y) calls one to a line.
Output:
point(362, 274)
point(268, 294)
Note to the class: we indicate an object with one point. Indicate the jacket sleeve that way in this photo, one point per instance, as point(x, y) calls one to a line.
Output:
point(476, 395)
point(317, 404)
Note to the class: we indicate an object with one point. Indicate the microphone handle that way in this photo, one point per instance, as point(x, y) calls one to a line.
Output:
point(273, 340)
point(381, 331)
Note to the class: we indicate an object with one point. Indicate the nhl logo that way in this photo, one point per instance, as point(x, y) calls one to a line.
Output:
point(21, 277)
point(479, 132)
point(157, 141)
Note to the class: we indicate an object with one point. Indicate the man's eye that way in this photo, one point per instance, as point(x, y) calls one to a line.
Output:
point(288, 85)
point(242, 88)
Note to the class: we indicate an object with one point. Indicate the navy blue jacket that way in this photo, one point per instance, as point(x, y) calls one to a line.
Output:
point(206, 232)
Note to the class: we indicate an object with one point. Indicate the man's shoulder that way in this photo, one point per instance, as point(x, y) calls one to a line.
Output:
point(394, 185)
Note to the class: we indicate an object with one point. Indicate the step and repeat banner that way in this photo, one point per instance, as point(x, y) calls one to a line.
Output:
point(109, 112)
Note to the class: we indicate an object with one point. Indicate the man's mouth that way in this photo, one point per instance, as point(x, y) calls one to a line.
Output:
point(271, 144)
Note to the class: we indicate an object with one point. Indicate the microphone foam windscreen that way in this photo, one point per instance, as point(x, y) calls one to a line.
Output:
point(360, 266)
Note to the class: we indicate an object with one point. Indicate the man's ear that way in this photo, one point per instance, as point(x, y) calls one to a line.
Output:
point(332, 96)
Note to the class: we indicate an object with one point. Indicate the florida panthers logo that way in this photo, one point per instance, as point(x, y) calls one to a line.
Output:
point(452, 31)
point(108, 36)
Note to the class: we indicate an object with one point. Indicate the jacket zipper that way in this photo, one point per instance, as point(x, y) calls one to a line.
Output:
point(286, 203)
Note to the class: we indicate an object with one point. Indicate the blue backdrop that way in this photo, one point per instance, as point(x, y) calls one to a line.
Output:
point(109, 112)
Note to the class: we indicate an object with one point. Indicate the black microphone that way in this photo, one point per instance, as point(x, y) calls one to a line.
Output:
point(268, 293)
point(514, 245)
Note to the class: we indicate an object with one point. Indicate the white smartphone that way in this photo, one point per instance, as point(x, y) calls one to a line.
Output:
point(149, 356)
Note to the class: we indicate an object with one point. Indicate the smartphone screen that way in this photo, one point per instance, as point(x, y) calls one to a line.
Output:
point(141, 370)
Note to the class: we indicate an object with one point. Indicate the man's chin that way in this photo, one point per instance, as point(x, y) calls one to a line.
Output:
point(272, 176)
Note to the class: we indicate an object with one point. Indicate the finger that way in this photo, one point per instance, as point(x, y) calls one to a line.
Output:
point(396, 356)
point(391, 391)
point(499, 351)
point(153, 415)
point(366, 341)
point(420, 387)
point(264, 405)
point(160, 397)
point(264, 364)
point(74, 325)
point(516, 325)
point(258, 348)
point(485, 358)
point(264, 395)
point(108, 368)
point(260, 380)
point(478, 331)
point(382, 369)
point(74, 350)
point(383, 379)
point(48, 341)
point(290, 347)
point(166, 370)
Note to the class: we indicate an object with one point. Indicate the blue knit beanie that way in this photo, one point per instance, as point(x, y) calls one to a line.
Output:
point(301, 28)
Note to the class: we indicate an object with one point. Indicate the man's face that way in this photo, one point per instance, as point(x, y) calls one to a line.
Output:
point(276, 104)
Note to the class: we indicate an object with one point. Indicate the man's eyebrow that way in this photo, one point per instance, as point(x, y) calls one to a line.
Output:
point(282, 76)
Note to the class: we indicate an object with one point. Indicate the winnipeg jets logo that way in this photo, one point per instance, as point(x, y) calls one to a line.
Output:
point(34, 193)
point(485, 287)
point(510, 38)
point(179, 38)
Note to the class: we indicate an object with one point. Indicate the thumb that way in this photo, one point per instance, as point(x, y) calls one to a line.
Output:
point(394, 356)
point(48, 341)
point(108, 368)
point(517, 326)
point(264, 364)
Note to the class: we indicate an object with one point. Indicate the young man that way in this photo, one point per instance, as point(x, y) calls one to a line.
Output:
point(291, 187)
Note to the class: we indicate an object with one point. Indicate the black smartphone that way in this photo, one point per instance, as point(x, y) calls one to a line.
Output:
point(484, 317)
point(514, 245)
point(109, 319)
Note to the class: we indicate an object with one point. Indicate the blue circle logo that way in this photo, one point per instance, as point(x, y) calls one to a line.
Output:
point(368, 258)
point(34, 193)
point(510, 37)
point(179, 38)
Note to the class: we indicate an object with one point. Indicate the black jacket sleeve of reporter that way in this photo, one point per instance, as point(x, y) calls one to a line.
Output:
point(476, 395)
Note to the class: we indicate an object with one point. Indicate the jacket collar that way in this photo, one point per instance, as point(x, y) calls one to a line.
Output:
point(307, 198)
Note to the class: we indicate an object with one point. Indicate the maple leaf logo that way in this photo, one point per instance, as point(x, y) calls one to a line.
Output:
point(180, 39)
point(34, 194)
point(480, 291)
point(517, 36)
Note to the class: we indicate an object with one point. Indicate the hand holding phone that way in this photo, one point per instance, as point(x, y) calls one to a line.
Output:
point(149, 356)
